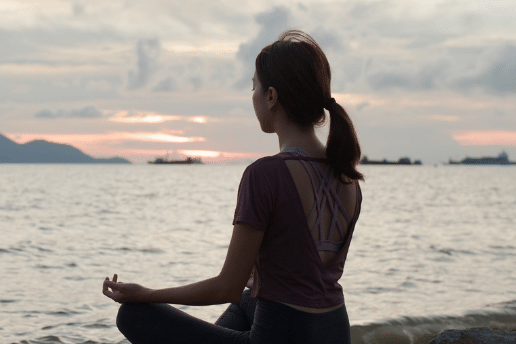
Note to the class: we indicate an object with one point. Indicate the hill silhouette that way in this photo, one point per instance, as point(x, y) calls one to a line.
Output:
point(40, 151)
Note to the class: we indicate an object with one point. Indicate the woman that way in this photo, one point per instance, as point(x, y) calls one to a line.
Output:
point(293, 223)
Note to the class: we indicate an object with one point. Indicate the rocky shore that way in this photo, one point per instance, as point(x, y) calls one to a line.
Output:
point(475, 336)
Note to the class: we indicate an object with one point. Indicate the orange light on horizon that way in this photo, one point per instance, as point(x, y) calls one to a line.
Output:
point(200, 153)
point(74, 139)
point(198, 119)
point(109, 144)
point(485, 138)
point(218, 154)
point(161, 137)
point(154, 117)
point(219, 48)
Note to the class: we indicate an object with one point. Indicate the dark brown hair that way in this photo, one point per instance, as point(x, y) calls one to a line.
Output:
point(297, 68)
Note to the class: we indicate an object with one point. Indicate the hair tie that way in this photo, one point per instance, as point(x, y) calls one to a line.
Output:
point(329, 103)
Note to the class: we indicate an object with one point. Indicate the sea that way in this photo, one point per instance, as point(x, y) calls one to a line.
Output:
point(434, 247)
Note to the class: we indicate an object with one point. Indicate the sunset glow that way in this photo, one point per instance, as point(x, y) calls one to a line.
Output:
point(152, 117)
point(226, 49)
point(160, 137)
point(199, 119)
point(200, 153)
point(111, 137)
point(175, 76)
point(485, 138)
point(444, 118)
point(108, 144)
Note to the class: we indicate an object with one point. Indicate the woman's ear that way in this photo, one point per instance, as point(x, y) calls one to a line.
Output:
point(272, 97)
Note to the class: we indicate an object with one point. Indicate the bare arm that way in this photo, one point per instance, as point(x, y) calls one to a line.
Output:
point(226, 287)
point(203, 293)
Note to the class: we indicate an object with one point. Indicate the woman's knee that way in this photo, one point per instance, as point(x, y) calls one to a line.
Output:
point(128, 316)
point(124, 316)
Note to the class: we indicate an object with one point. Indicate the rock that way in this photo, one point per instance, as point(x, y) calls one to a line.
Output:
point(474, 336)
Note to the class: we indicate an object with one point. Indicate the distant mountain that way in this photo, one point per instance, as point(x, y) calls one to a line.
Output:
point(41, 151)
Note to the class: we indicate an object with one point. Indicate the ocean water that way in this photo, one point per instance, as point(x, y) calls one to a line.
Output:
point(434, 248)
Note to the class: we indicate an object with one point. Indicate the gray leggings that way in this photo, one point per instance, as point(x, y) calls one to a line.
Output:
point(247, 321)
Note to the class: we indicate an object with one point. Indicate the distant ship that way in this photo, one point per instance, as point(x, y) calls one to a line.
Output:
point(502, 159)
point(401, 161)
point(188, 160)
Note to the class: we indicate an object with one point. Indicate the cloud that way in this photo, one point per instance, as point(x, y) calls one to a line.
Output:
point(137, 117)
point(108, 137)
point(444, 118)
point(189, 72)
point(159, 137)
point(329, 40)
point(362, 105)
point(217, 154)
point(166, 85)
point(485, 138)
point(48, 44)
point(272, 23)
point(103, 84)
point(495, 70)
point(147, 52)
point(85, 112)
point(216, 48)
point(78, 10)
point(409, 76)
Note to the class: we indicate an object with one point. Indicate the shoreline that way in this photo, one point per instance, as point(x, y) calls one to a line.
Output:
point(421, 330)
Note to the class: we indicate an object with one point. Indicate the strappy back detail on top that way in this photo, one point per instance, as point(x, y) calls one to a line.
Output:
point(295, 266)
point(325, 197)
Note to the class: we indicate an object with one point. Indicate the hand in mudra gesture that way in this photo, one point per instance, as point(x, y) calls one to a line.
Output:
point(125, 292)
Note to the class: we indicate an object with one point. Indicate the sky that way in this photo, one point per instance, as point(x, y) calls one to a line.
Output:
point(427, 79)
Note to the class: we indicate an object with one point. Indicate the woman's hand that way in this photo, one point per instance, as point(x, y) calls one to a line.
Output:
point(125, 292)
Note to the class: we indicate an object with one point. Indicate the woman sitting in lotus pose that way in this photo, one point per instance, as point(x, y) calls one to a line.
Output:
point(294, 219)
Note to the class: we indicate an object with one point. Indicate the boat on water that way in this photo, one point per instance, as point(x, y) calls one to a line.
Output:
point(188, 160)
point(401, 161)
point(502, 159)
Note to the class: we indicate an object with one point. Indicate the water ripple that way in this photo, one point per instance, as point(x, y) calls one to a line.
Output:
point(425, 243)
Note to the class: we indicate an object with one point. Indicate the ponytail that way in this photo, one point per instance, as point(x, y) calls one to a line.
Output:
point(342, 147)
point(297, 68)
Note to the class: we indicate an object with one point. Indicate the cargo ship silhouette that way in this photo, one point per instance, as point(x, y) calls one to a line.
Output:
point(401, 161)
point(502, 159)
point(188, 160)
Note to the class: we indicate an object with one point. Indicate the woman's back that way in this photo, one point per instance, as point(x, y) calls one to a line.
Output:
point(327, 214)
point(328, 206)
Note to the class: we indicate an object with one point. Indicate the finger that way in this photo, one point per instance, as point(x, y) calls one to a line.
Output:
point(115, 278)
point(105, 289)
point(107, 293)
point(115, 286)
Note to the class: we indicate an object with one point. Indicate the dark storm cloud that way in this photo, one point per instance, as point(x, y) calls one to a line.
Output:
point(85, 112)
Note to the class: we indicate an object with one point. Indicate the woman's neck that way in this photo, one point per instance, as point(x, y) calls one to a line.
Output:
point(290, 136)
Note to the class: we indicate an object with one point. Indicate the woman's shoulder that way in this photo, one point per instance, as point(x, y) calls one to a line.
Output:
point(266, 161)
point(265, 168)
